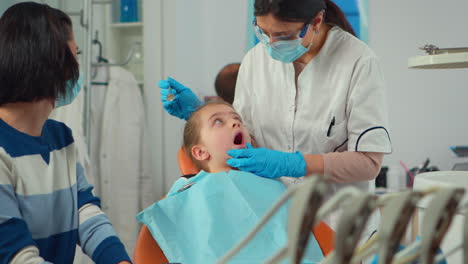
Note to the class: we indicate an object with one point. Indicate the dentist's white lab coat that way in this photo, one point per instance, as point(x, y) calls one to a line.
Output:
point(339, 104)
point(120, 153)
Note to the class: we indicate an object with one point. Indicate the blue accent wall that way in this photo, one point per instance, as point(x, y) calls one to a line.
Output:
point(351, 10)
point(251, 37)
point(356, 13)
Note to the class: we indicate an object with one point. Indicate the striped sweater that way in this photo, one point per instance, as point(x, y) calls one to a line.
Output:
point(46, 204)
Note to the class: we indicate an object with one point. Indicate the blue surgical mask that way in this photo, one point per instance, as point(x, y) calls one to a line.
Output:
point(286, 50)
point(72, 91)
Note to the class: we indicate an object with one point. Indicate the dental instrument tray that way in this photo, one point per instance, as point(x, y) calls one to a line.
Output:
point(440, 58)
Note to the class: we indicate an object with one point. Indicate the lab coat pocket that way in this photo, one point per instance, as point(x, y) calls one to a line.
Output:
point(335, 136)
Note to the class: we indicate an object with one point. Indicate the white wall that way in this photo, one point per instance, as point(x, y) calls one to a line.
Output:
point(428, 108)
point(4, 5)
point(153, 31)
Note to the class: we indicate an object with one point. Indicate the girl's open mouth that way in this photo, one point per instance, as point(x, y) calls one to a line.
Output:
point(238, 139)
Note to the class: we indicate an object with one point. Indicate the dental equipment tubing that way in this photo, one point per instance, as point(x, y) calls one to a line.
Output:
point(307, 210)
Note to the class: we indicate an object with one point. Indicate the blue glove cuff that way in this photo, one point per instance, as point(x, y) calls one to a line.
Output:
point(300, 169)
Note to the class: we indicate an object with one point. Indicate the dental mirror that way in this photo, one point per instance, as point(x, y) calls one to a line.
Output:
point(170, 97)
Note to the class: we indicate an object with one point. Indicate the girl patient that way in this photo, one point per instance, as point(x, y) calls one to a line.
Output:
point(203, 217)
point(210, 132)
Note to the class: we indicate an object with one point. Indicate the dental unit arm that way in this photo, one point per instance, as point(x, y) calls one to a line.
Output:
point(305, 204)
point(464, 245)
point(334, 202)
point(306, 210)
point(351, 225)
point(435, 224)
point(297, 214)
point(395, 217)
point(397, 212)
point(398, 209)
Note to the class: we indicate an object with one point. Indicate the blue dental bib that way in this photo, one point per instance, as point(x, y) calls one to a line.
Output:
point(203, 217)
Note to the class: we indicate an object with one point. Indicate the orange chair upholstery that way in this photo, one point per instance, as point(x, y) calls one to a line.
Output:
point(186, 165)
point(147, 250)
point(324, 236)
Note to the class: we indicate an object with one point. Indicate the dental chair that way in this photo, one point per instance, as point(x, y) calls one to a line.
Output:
point(147, 250)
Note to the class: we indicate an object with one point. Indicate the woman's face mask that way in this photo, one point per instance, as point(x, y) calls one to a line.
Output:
point(287, 50)
point(284, 48)
point(72, 88)
point(72, 91)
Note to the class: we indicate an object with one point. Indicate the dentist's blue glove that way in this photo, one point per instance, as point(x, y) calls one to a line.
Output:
point(267, 163)
point(185, 102)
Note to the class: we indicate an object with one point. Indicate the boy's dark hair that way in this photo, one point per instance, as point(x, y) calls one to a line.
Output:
point(225, 83)
point(303, 11)
point(35, 59)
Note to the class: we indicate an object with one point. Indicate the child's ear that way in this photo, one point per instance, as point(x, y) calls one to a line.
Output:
point(200, 153)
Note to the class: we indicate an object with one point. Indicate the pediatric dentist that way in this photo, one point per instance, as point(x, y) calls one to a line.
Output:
point(46, 204)
point(312, 95)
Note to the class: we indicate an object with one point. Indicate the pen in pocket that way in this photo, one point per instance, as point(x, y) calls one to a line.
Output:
point(332, 123)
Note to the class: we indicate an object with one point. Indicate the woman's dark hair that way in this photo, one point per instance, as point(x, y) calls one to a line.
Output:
point(35, 59)
point(66, 25)
point(303, 11)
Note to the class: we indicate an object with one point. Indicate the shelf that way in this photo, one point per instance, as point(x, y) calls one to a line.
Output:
point(127, 25)
point(460, 151)
point(439, 61)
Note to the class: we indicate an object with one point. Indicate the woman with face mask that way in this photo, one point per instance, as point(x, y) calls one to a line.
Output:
point(47, 207)
point(311, 94)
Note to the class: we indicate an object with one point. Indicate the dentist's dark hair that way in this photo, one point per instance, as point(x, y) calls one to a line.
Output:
point(35, 59)
point(303, 11)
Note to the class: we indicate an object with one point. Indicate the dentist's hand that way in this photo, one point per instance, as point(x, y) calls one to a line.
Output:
point(184, 102)
point(267, 163)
